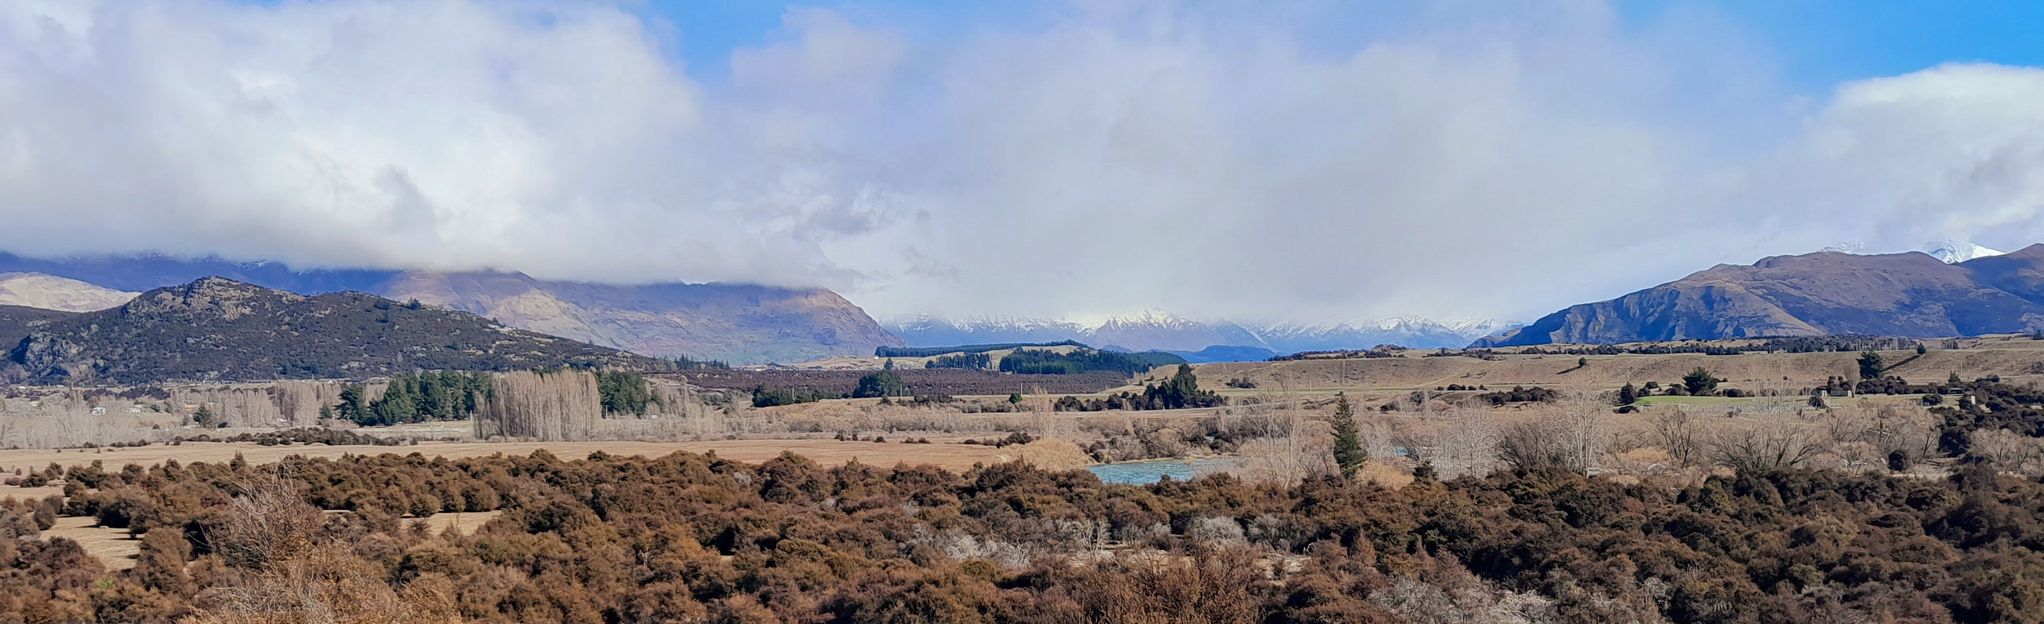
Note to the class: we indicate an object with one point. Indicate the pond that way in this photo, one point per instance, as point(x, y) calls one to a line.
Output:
point(1152, 471)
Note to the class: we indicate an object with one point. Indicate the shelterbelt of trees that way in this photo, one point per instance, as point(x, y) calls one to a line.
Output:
point(691, 538)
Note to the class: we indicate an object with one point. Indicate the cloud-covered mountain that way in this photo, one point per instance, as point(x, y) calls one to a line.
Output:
point(732, 322)
point(1907, 294)
point(1168, 332)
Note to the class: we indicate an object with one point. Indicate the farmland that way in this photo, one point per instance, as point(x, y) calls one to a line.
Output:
point(955, 382)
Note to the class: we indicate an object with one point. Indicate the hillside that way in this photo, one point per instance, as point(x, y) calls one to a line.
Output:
point(49, 292)
point(17, 322)
point(733, 322)
point(1908, 294)
point(216, 329)
point(730, 322)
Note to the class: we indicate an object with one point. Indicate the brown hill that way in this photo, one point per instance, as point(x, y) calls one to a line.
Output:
point(216, 329)
point(1908, 294)
point(731, 322)
point(50, 292)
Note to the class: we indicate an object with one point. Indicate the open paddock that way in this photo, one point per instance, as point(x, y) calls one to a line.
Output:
point(946, 455)
point(947, 381)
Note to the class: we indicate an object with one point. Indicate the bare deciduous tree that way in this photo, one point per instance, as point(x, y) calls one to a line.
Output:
point(1679, 434)
point(1762, 450)
point(544, 406)
point(2008, 451)
point(1573, 439)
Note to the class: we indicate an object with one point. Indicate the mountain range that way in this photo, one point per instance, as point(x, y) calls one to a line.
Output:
point(1162, 331)
point(217, 329)
point(1910, 294)
point(732, 322)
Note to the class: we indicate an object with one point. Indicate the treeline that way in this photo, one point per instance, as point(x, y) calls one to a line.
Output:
point(417, 397)
point(974, 361)
point(917, 352)
point(882, 384)
point(763, 396)
point(1181, 391)
point(1048, 362)
point(1379, 351)
point(686, 363)
point(449, 395)
point(1786, 344)
point(691, 538)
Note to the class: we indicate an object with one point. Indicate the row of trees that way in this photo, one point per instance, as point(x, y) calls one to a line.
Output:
point(448, 395)
point(1076, 361)
point(414, 398)
point(1180, 391)
point(974, 361)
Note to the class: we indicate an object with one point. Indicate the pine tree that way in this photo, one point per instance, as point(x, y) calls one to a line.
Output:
point(1628, 395)
point(1700, 382)
point(1870, 365)
point(1348, 442)
point(351, 408)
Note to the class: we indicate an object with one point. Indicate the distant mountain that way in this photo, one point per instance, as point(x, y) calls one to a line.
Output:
point(1406, 332)
point(731, 322)
point(1166, 332)
point(50, 292)
point(931, 331)
point(137, 273)
point(1221, 353)
point(1907, 294)
point(1162, 331)
point(216, 329)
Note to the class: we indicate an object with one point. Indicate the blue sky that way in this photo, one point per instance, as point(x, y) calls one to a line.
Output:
point(1822, 42)
point(1817, 43)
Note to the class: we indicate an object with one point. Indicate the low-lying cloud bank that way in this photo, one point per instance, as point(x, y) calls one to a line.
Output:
point(1312, 164)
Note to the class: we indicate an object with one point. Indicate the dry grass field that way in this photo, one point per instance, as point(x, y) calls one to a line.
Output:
point(460, 523)
point(112, 547)
point(2013, 359)
point(828, 452)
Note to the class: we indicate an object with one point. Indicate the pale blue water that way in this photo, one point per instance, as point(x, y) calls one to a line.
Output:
point(1152, 471)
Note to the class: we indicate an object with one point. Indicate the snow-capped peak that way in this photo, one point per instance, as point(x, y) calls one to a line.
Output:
point(1147, 318)
point(1952, 251)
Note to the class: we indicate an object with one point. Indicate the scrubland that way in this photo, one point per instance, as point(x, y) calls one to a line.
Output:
point(1917, 506)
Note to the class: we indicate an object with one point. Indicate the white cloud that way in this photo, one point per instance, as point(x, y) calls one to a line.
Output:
point(1465, 159)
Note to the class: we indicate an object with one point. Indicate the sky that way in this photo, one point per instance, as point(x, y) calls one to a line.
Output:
point(1308, 161)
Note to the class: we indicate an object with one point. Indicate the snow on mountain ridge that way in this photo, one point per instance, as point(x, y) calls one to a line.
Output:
point(1156, 329)
point(1954, 251)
